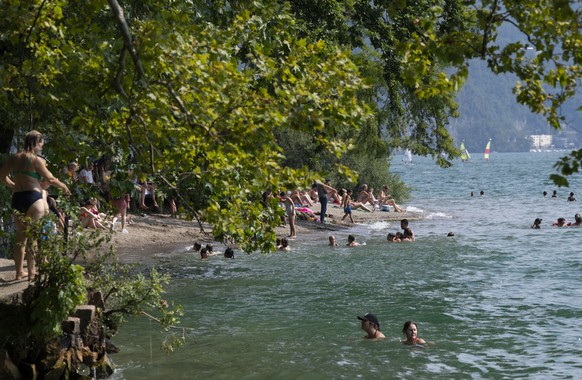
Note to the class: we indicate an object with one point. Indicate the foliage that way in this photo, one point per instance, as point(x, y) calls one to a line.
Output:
point(193, 103)
point(62, 284)
point(130, 293)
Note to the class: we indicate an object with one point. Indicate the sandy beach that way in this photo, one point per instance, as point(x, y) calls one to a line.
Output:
point(158, 232)
point(153, 233)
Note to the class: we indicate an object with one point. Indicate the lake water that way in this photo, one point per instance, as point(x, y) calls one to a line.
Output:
point(499, 300)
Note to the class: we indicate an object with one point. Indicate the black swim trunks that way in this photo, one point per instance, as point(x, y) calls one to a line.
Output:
point(22, 200)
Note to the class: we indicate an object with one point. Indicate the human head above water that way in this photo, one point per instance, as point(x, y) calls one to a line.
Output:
point(351, 238)
point(229, 253)
point(371, 318)
point(407, 324)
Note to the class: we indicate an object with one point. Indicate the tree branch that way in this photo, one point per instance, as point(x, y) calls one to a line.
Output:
point(124, 29)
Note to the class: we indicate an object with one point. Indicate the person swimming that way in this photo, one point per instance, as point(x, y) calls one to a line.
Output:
point(410, 331)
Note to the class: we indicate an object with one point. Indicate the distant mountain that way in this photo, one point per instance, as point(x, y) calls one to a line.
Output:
point(489, 110)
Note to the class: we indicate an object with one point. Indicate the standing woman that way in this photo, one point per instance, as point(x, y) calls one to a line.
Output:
point(22, 173)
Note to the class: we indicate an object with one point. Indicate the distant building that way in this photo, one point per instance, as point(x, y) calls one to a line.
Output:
point(541, 142)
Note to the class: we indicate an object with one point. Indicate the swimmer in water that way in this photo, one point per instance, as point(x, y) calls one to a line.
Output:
point(371, 326)
point(410, 331)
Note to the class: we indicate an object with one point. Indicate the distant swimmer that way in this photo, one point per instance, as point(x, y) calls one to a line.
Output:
point(482, 193)
point(352, 241)
point(229, 253)
point(545, 194)
point(577, 221)
point(407, 233)
point(392, 238)
point(451, 234)
point(561, 222)
point(410, 331)
point(332, 241)
point(371, 326)
point(284, 245)
point(555, 194)
point(537, 224)
point(571, 197)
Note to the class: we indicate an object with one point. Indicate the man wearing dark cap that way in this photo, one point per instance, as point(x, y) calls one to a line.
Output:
point(371, 326)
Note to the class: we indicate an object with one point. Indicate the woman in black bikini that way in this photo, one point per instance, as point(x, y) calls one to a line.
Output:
point(22, 174)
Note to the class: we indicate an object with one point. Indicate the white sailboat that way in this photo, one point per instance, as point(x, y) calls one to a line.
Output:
point(407, 157)
point(465, 156)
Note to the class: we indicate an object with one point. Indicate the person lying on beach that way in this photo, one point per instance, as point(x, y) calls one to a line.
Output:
point(561, 222)
point(352, 241)
point(410, 331)
point(355, 205)
point(302, 199)
point(332, 241)
point(371, 326)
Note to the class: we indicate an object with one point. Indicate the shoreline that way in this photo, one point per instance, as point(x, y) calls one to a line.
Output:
point(151, 234)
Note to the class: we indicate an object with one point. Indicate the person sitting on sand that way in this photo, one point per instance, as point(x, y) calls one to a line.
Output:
point(371, 326)
point(410, 331)
point(384, 198)
point(332, 241)
point(407, 233)
point(91, 217)
point(537, 224)
point(561, 222)
point(364, 196)
point(355, 205)
point(352, 241)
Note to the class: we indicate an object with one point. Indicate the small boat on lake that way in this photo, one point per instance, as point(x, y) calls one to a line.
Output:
point(487, 150)
point(465, 156)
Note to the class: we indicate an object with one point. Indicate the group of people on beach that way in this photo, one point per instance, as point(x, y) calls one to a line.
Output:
point(371, 325)
point(27, 175)
point(299, 204)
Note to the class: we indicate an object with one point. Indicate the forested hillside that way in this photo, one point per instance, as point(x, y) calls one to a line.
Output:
point(488, 110)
